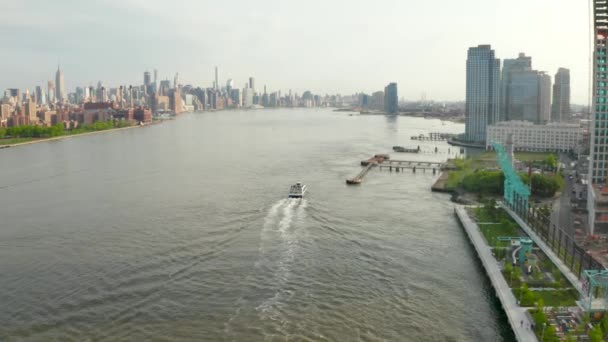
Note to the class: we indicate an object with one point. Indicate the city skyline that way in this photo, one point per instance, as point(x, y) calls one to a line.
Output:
point(279, 50)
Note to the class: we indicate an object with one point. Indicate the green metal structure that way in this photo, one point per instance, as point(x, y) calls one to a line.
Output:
point(595, 286)
point(526, 248)
point(525, 244)
point(516, 193)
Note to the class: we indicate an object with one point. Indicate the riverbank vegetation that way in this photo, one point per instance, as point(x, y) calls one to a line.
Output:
point(482, 176)
point(25, 133)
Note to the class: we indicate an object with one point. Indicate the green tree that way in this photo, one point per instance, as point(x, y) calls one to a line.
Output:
point(527, 296)
point(605, 323)
point(570, 337)
point(595, 334)
point(2, 132)
point(539, 319)
point(508, 267)
point(551, 161)
point(516, 272)
point(550, 334)
point(484, 182)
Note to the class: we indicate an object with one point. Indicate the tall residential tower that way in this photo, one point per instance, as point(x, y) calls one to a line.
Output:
point(510, 66)
point(483, 92)
point(560, 110)
point(597, 196)
point(391, 99)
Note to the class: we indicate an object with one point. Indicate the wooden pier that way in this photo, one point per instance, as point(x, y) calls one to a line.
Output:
point(433, 136)
point(359, 177)
point(382, 161)
point(413, 164)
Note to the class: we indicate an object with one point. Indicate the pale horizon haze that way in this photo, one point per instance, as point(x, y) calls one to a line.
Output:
point(323, 46)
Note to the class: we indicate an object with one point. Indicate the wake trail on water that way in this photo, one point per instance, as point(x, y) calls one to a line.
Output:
point(288, 212)
point(286, 243)
point(302, 209)
point(278, 244)
point(273, 213)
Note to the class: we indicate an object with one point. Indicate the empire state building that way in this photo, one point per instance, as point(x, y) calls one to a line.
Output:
point(60, 86)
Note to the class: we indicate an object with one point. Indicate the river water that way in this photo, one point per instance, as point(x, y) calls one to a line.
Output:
point(182, 231)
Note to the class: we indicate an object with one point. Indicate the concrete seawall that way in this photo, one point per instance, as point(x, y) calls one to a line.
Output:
point(515, 313)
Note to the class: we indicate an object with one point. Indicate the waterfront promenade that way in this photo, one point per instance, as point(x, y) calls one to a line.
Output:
point(572, 278)
point(515, 313)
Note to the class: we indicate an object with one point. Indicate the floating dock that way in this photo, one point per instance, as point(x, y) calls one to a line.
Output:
point(405, 149)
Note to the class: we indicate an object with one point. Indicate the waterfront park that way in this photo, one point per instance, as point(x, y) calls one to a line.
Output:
point(550, 286)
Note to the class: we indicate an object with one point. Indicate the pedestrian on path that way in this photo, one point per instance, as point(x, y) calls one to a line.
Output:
point(521, 324)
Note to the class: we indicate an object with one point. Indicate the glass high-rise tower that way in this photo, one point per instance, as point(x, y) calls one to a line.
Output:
point(597, 194)
point(391, 99)
point(483, 92)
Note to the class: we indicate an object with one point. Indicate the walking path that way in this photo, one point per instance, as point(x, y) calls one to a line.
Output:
point(572, 278)
point(515, 313)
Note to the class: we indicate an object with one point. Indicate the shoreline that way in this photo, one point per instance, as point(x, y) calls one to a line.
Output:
point(74, 135)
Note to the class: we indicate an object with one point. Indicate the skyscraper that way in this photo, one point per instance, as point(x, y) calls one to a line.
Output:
point(391, 101)
point(164, 87)
point(247, 97)
point(60, 86)
point(155, 85)
point(39, 97)
point(544, 97)
point(51, 92)
point(252, 83)
point(229, 85)
point(560, 110)
point(147, 78)
point(217, 85)
point(597, 201)
point(528, 96)
point(510, 66)
point(483, 90)
point(30, 111)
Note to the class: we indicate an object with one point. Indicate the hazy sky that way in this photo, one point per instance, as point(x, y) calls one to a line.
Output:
point(326, 46)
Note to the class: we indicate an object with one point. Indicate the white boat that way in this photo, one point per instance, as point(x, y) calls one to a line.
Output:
point(297, 190)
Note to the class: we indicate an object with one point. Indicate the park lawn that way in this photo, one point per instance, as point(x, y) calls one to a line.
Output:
point(505, 226)
point(554, 297)
point(492, 232)
point(11, 141)
point(522, 156)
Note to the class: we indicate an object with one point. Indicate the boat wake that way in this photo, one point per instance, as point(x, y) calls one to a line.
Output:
point(277, 252)
point(280, 240)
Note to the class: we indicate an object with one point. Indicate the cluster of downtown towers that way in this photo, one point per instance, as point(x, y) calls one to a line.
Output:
point(518, 93)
